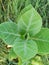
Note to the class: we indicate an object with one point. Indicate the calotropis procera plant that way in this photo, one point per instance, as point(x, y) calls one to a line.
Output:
point(27, 37)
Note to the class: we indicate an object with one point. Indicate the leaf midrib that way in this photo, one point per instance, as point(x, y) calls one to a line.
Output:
point(39, 39)
point(10, 33)
point(30, 21)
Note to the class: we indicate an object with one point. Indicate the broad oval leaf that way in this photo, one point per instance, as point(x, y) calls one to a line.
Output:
point(29, 21)
point(42, 40)
point(8, 32)
point(25, 49)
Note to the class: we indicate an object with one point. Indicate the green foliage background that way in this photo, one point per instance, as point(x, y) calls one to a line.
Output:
point(10, 10)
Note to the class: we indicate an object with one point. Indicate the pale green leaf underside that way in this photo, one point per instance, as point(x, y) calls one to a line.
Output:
point(25, 49)
point(42, 40)
point(8, 32)
point(29, 21)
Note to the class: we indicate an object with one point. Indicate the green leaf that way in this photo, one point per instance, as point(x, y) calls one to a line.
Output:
point(42, 40)
point(25, 49)
point(11, 54)
point(25, 9)
point(8, 32)
point(29, 21)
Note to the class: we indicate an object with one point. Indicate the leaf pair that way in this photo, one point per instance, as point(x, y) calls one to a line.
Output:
point(29, 22)
point(25, 49)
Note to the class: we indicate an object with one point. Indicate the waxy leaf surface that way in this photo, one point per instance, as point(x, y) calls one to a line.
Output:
point(25, 49)
point(29, 21)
